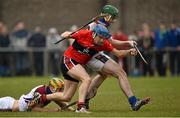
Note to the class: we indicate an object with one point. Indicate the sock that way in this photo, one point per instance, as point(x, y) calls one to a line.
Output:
point(80, 105)
point(87, 103)
point(132, 100)
point(87, 100)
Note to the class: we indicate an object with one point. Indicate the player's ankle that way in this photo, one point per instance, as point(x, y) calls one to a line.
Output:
point(87, 103)
point(87, 100)
point(80, 105)
point(132, 100)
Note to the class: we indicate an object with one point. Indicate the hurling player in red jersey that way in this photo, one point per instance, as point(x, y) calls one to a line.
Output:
point(87, 43)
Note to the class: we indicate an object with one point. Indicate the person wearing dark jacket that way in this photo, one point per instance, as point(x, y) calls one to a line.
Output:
point(37, 40)
point(147, 41)
point(4, 56)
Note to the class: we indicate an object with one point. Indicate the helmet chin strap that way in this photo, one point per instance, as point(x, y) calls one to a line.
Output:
point(108, 17)
point(94, 35)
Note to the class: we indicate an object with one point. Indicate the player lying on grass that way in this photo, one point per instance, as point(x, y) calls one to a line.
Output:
point(105, 66)
point(25, 101)
point(87, 43)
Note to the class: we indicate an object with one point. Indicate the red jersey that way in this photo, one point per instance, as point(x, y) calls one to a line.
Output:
point(85, 39)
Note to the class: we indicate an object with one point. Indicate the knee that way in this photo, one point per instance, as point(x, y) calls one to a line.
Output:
point(103, 75)
point(86, 80)
point(119, 72)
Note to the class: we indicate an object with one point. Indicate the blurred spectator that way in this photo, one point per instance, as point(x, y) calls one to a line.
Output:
point(160, 45)
point(20, 35)
point(19, 39)
point(122, 37)
point(72, 29)
point(37, 40)
point(4, 56)
point(134, 37)
point(173, 45)
point(178, 54)
point(4, 37)
point(147, 41)
point(136, 65)
point(55, 50)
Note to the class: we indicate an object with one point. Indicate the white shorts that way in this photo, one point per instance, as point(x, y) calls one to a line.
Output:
point(97, 61)
point(6, 103)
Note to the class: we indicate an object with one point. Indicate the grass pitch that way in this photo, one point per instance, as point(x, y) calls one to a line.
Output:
point(110, 101)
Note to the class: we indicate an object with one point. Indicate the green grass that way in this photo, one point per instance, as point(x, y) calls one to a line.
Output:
point(110, 101)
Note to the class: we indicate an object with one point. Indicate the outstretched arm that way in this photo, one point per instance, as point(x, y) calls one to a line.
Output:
point(117, 43)
point(121, 53)
point(66, 34)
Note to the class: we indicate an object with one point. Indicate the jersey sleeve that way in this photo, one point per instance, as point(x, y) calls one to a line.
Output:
point(108, 46)
point(76, 35)
point(80, 35)
point(91, 26)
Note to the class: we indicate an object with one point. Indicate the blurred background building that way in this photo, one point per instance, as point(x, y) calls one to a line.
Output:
point(64, 13)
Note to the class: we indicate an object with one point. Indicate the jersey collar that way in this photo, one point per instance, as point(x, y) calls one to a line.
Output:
point(103, 22)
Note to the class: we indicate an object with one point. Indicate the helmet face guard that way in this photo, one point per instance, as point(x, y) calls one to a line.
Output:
point(110, 18)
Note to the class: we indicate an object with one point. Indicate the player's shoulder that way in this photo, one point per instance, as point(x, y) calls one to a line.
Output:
point(40, 88)
point(92, 25)
point(107, 41)
point(85, 32)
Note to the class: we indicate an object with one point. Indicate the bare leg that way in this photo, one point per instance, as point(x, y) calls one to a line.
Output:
point(95, 84)
point(69, 91)
point(80, 73)
point(114, 69)
point(110, 68)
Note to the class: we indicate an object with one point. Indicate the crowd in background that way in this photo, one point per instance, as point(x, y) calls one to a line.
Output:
point(160, 47)
point(19, 40)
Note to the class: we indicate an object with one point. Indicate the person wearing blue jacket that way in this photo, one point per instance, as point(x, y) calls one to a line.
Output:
point(173, 44)
point(178, 51)
point(160, 43)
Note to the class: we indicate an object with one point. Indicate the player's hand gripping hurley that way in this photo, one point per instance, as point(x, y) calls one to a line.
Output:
point(94, 19)
point(140, 54)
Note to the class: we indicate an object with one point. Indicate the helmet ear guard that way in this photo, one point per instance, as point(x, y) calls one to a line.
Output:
point(94, 35)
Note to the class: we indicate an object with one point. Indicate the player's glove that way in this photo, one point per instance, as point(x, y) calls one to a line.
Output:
point(34, 101)
point(37, 99)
